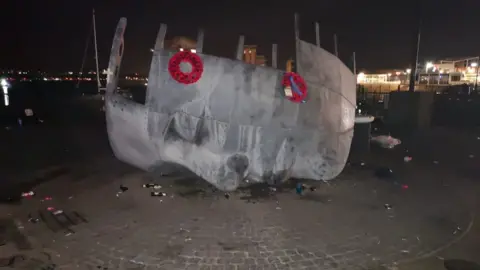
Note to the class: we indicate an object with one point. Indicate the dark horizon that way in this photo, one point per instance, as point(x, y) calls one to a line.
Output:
point(381, 33)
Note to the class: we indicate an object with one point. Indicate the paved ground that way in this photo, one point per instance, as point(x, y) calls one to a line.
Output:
point(414, 218)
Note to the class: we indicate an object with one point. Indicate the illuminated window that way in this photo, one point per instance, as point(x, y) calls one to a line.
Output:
point(455, 78)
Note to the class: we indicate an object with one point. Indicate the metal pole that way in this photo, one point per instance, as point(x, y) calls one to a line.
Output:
point(317, 33)
point(335, 44)
point(96, 51)
point(413, 73)
point(297, 26)
point(274, 55)
point(297, 39)
point(160, 42)
point(200, 37)
point(240, 48)
point(85, 53)
point(354, 65)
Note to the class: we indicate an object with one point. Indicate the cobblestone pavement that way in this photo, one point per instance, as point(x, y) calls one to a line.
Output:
point(358, 221)
point(342, 225)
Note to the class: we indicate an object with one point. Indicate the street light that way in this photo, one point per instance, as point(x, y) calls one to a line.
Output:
point(428, 66)
point(475, 65)
point(409, 70)
point(360, 77)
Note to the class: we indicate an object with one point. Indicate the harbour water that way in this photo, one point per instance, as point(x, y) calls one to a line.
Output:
point(43, 98)
point(54, 100)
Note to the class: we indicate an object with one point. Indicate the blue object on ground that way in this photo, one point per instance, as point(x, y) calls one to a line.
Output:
point(299, 189)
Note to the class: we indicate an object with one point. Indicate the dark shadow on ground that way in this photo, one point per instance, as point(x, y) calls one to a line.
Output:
point(460, 265)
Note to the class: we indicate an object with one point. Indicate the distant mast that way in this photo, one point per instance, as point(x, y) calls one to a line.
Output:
point(354, 65)
point(94, 27)
point(99, 85)
point(413, 72)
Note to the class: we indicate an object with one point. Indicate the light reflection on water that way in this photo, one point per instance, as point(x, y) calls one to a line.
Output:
point(5, 85)
point(6, 100)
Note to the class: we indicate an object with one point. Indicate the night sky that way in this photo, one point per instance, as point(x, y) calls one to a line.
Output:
point(51, 34)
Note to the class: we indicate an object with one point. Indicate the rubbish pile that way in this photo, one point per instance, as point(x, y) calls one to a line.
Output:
point(385, 141)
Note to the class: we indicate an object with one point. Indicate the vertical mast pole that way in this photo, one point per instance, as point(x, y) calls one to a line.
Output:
point(335, 44)
point(96, 51)
point(317, 33)
point(354, 65)
point(413, 72)
point(274, 55)
point(297, 39)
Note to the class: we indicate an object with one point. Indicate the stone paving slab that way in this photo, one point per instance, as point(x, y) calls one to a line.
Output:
point(342, 225)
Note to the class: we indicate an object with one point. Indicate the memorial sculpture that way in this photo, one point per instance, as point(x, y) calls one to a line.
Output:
point(231, 122)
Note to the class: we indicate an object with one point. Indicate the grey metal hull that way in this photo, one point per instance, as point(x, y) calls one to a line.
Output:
point(234, 123)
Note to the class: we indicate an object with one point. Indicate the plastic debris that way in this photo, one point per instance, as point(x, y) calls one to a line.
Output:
point(58, 212)
point(19, 225)
point(435, 162)
point(32, 219)
point(28, 112)
point(407, 159)
point(154, 186)
point(299, 188)
point(384, 141)
point(28, 194)
point(471, 156)
point(312, 188)
point(50, 208)
point(404, 186)
point(158, 194)
point(182, 230)
point(48, 198)
point(388, 206)
point(122, 190)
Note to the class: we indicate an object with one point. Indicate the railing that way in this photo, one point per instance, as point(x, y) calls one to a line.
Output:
point(373, 103)
point(450, 108)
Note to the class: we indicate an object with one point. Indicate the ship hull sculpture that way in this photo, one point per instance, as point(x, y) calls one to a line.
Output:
point(230, 122)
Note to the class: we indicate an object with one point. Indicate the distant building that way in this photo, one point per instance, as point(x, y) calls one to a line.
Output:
point(290, 65)
point(180, 43)
point(250, 56)
point(450, 71)
point(431, 75)
point(261, 60)
point(384, 76)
